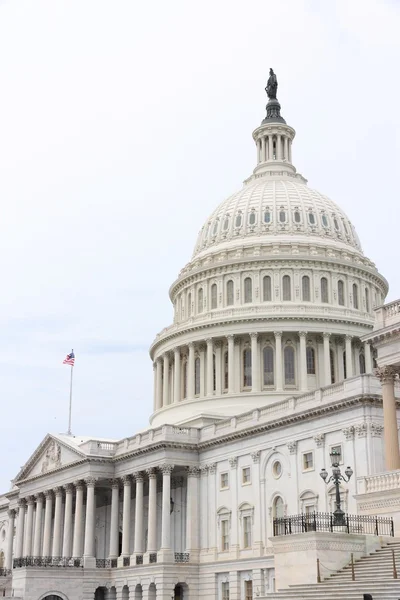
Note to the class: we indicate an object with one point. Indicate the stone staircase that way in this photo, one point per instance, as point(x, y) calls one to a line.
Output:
point(373, 575)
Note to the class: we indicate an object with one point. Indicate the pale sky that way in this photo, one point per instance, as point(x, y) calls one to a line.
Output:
point(123, 124)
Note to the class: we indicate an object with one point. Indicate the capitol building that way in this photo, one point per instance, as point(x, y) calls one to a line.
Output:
point(281, 354)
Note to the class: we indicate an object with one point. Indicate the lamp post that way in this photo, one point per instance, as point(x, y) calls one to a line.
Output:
point(337, 477)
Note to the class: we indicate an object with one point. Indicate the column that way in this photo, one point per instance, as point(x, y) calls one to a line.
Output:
point(231, 364)
point(212, 512)
point(258, 151)
point(114, 521)
point(192, 513)
point(177, 375)
point(190, 372)
point(138, 547)
point(210, 368)
point(218, 368)
point(233, 483)
point(257, 529)
point(37, 545)
point(29, 527)
point(165, 399)
point(278, 360)
point(255, 364)
point(152, 512)
point(10, 539)
point(270, 148)
point(368, 358)
point(88, 551)
point(202, 350)
point(327, 359)
point(349, 357)
point(303, 360)
point(166, 551)
point(154, 386)
point(126, 515)
point(159, 385)
point(48, 515)
point(279, 147)
point(19, 552)
point(263, 149)
point(290, 150)
point(386, 375)
point(67, 539)
point(77, 550)
point(57, 523)
point(285, 145)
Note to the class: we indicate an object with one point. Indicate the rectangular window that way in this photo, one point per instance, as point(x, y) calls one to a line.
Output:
point(225, 590)
point(224, 481)
point(337, 449)
point(224, 535)
point(308, 461)
point(248, 590)
point(246, 475)
point(246, 532)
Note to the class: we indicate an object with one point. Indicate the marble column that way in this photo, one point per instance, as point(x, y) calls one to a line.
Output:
point(279, 147)
point(29, 527)
point(218, 367)
point(270, 148)
point(278, 360)
point(255, 363)
point(368, 357)
point(57, 523)
point(349, 357)
point(165, 399)
point(19, 552)
point(202, 350)
point(262, 149)
point(152, 512)
point(166, 550)
point(77, 549)
point(257, 541)
point(37, 544)
point(212, 512)
point(387, 375)
point(303, 360)
point(233, 486)
point(11, 524)
point(210, 368)
point(48, 516)
point(177, 375)
point(138, 545)
point(159, 401)
point(327, 359)
point(190, 372)
point(285, 145)
point(114, 521)
point(231, 364)
point(67, 539)
point(192, 513)
point(155, 386)
point(88, 550)
point(126, 515)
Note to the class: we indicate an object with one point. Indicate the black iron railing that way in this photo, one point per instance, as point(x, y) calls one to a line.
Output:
point(182, 557)
point(114, 563)
point(318, 521)
point(47, 561)
point(153, 557)
point(139, 559)
point(5, 572)
point(127, 561)
point(103, 563)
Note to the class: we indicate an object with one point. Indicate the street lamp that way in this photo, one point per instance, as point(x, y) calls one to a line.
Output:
point(337, 477)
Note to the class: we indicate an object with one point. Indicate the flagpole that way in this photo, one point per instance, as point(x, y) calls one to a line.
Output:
point(70, 403)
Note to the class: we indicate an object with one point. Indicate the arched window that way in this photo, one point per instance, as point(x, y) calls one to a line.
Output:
point(362, 364)
point(229, 293)
point(305, 287)
point(226, 371)
point(267, 289)
point(197, 376)
point(286, 291)
point(355, 295)
point(332, 362)
point(288, 355)
point(324, 290)
point(248, 290)
point(340, 290)
point(278, 508)
point(2, 560)
point(310, 356)
point(184, 379)
point(200, 300)
point(247, 382)
point(268, 363)
point(214, 295)
point(189, 304)
point(367, 299)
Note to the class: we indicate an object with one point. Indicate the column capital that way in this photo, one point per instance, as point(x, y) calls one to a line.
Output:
point(79, 484)
point(230, 337)
point(256, 456)
point(233, 460)
point(190, 345)
point(21, 502)
point(292, 445)
point(30, 500)
point(237, 340)
point(166, 469)
point(212, 468)
point(303, 334)
point(48, 494)
point(192, 471)
point(319, 439)
point(11, 513)
point(254, 335)
point(348, 337)
point(202, 347)
point(348, 432)
point(204, 469)
point(278, 334)
point(326, 335)
point(176, 350)
point(69, 488)
point(386, 373)
point(218, 344)
point(39, 497)
point(114, 483)
point(90, 482)
point(209, 341)
point(126, 480)
point(138, 475)
point(151, 473)
point(58, 491)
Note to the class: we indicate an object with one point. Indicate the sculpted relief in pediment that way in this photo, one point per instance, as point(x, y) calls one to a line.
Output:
point(52, 457)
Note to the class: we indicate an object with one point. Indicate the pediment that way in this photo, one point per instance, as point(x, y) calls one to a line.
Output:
point(51, 455)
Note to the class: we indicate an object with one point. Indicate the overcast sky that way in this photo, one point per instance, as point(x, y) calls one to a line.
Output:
point(122, 125)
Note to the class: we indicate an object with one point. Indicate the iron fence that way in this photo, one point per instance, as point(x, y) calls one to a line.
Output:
point(182, 557)
point(153, 557)
point(127, 561)
point(47, 561)
point(317, 521)
point(139, 559)
point(5, 572)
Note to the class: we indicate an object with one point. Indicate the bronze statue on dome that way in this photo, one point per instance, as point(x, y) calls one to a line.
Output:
point(272, 85)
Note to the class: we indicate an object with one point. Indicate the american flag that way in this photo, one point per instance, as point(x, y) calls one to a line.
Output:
point(69, 359)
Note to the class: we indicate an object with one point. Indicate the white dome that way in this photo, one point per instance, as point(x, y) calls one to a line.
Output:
point(264, 210)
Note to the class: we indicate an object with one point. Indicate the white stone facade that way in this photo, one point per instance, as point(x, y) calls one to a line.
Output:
point(266, 368)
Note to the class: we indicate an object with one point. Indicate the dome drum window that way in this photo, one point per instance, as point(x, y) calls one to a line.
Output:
point(238, 220)
point(305, 288)
point(268, 365)
point(215, 228)
point(325, 221)
point(311, 219)
point(248, 290)
point(252, 218)
point(286, 288)
point(229, 293)
point(267, 217)
point(267, 288)
point(297, 217)
point(282, 216)
point(226, 223)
